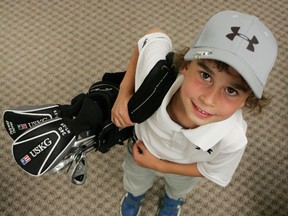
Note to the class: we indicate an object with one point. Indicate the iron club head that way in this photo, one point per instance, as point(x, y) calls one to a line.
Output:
point(78, 170)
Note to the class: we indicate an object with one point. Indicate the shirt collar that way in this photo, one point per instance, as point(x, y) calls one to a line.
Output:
point(206, 136)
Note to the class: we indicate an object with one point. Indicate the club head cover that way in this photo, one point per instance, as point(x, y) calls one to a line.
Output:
point(72, 110)
point(20, 119)
point(42, 147)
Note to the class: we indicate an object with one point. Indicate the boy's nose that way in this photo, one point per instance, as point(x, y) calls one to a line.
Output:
point(209, 97)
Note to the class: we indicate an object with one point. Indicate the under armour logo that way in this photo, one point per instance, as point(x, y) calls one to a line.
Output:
point(235, 32)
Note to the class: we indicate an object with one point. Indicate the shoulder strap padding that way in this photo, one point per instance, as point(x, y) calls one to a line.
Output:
point(148, 98)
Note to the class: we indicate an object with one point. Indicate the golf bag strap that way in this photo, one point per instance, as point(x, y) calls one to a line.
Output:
point(149, 96)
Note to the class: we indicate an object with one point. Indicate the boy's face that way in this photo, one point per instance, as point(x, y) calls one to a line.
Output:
point(210, 95)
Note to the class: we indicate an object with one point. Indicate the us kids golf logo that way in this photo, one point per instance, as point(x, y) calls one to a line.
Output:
point(40, 147)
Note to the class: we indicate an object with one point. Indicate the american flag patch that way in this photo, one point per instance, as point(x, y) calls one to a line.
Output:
point(22, 126)
point(25, 159)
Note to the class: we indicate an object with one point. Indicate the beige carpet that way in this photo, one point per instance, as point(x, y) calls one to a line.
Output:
point(52, 50)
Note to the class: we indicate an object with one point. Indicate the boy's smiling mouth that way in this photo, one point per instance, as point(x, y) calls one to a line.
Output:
point(201, 113)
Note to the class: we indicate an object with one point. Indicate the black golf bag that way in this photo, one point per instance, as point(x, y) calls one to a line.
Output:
point(52, 137)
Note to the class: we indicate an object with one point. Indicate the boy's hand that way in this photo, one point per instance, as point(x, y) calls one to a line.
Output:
point(143, 157)
point(119, 113)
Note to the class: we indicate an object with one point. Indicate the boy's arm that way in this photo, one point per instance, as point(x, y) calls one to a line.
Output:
point(145, 159)
point(119, 112)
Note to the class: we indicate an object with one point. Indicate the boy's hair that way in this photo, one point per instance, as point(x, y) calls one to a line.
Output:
point(253, 103)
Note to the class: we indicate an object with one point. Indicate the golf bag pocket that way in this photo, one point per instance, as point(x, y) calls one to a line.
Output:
point(42, 147)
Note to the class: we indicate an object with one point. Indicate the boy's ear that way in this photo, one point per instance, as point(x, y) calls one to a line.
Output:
point(245, 101)
point(185, 68)
point(243, 104)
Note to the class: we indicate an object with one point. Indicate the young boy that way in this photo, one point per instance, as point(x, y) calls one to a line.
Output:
point(198, 131)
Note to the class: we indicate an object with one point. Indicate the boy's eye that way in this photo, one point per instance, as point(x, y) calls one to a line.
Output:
point(205, 76)
point(231, 91)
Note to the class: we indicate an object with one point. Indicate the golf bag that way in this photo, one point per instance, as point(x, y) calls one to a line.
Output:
point(53, 137)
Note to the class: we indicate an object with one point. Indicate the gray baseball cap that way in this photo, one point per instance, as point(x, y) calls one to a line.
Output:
point(240, 40)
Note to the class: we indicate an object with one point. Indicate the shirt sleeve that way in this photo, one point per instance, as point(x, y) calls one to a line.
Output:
point(221, 169)
point(152, 48)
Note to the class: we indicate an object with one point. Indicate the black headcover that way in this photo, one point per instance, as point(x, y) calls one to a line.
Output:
point(43, 146)
point(18, 120)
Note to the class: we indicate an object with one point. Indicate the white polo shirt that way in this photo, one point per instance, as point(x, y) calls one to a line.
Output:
point(217, 148)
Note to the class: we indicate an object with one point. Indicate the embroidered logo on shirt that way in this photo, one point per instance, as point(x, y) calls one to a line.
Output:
point(146, 39)
point(209, 150)
point(145, 42)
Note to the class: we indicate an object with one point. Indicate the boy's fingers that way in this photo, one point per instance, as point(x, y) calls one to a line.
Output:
point(140, 146)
